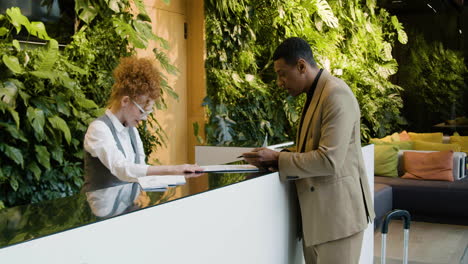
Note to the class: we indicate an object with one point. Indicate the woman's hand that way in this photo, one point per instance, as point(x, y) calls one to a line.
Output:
point(187, 168)
point(173, 169)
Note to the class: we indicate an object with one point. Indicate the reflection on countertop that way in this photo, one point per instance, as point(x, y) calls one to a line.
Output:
point(23, 223)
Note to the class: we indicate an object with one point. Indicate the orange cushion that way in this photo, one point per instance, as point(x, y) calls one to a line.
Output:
point(428, 166)
point(404, 136)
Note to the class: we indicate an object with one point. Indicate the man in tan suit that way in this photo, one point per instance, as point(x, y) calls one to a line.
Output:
point(326, 164)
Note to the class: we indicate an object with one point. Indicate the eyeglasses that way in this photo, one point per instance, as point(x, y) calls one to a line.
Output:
point(144, 113)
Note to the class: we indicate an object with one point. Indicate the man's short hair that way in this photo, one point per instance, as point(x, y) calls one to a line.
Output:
point(293, 49)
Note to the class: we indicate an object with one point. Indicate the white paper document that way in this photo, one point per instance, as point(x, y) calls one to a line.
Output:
point(229, 168)
point(160, 181)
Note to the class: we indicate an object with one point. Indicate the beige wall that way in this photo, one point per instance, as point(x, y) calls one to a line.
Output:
point(196, 71)
point(188, 56)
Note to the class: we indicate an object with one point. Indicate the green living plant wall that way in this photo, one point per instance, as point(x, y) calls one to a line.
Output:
point(351, 39)
point(49, 94)
point(434, 81)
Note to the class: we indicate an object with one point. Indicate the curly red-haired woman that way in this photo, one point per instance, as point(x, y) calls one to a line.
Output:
point(114, 152)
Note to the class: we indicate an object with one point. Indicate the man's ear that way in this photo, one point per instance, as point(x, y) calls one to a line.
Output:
point(301, 66)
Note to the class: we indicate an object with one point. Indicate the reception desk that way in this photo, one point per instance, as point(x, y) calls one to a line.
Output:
point(213, 218)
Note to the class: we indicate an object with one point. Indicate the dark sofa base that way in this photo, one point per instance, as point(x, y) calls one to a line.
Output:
point(431, 201)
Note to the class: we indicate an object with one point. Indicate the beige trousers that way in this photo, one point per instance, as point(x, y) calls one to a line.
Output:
point(342, 251)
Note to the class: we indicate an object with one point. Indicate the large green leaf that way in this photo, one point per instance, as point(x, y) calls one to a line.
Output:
point(14, 114)
point(402, 37)
point(57, 154)
point(126, 31)
point(25, 97)
point(60, 124)
point(2, 177)
point(34, 168)
point(8, 93)
point(85, 103)
point(15, 43)
point(43, 156)
point(63, 104)
point(387, 52)
point(14, 131)
point(14, 154)
point(144, 17)
point(14, 182)
point(196, 129)
point(66, 81)
point(114, 5)
point(17, 19)
point(38, 29)
point(37, 120)
point(85, 10)
point(13, 64)
point(3, 31)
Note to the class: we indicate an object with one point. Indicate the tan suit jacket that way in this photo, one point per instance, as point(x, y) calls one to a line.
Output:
point(331, 181)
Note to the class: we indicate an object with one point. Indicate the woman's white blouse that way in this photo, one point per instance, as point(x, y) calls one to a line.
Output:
point(100, 143)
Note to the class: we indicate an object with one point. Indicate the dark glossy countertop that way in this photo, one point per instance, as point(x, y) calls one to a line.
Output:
point(23, 223)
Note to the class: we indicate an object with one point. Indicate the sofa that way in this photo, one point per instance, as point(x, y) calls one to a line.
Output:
point(427, 200)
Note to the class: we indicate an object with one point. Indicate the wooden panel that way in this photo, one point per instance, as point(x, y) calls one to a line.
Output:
point(196, 79)
point(170, 26)
point(189, 56)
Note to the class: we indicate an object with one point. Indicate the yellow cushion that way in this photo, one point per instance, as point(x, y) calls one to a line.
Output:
point(384, 139)
point(423, 145)
point(406, 145)
point(462, 141)
point(429, 137)
point(386, 160)
point(390, 138)
point(395, 137)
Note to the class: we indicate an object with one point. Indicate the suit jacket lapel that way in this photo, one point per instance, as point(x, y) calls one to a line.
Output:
point(302, 135)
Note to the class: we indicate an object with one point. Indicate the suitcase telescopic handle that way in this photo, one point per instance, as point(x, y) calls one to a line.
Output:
point(394, 215)
point(406, 225)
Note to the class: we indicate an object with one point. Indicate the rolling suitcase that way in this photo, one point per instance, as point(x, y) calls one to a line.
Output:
point(406, 225)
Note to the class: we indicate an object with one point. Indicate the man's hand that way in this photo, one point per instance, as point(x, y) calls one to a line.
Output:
point(263, 158)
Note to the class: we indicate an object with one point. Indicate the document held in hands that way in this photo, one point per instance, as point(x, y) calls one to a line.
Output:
point(160, 182)
point(230, 168)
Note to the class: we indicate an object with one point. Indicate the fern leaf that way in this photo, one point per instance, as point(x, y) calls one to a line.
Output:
point(326, 14)
point(49, 57)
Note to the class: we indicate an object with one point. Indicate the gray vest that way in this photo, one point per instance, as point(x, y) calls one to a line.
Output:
point(97, 176)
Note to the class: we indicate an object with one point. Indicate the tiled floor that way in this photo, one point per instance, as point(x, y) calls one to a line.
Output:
point(428, 244)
